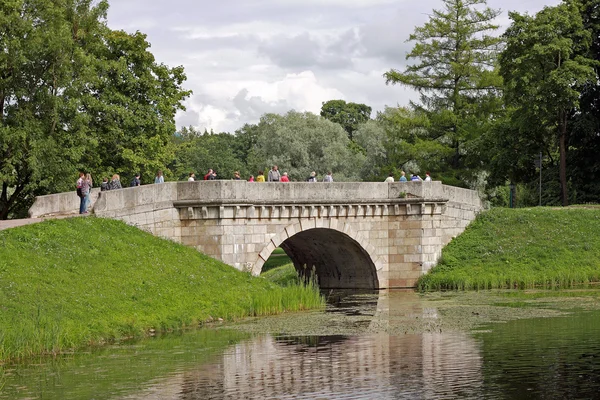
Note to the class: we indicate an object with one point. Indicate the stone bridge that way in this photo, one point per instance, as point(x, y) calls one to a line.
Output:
point(355, 235)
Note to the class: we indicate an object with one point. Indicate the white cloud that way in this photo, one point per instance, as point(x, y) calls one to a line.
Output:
point(247, 58)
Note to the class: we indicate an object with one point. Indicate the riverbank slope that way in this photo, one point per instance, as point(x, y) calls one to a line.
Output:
point(70, 283)
point(521, 248)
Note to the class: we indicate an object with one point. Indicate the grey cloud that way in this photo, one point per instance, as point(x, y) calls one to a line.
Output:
point(296, 52)
point(302, 51)
point(187, 118)
point(386, 40)
point(252, 108)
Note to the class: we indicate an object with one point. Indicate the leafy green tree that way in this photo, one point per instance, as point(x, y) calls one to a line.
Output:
point(454, 74)
point(197, 152)
point(300, 143)
point(75, 95)
point(545, 69)
point(133, 101)
point(372, 139)
point(584, 125)
point(348, 115)
point(43, 56)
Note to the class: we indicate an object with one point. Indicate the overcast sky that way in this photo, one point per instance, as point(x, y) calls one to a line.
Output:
point(244, 58)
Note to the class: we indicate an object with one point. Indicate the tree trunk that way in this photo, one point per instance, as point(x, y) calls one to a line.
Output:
point(562, 139)
point(4, 202)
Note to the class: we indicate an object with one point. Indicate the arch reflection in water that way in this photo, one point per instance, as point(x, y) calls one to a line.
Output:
point(430, 365)
point(379, 366)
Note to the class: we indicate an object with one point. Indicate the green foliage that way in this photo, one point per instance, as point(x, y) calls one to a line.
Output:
point(521, 248)
point(545, 68)
point(348, 115)
point(196, 152)
point(300, 143)
point(75, 95)
point(69, 283)
point(455, 75)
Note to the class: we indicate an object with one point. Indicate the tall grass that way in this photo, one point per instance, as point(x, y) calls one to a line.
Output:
point(521, 248)
point(66, 284)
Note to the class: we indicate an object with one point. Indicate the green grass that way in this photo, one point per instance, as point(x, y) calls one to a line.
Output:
point(284, 275)
point(66, 284)
point(277, 259)
point(521, 248)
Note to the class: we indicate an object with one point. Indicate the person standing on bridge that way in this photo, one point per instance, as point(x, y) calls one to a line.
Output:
point(159, 178)
point(312, 177)
point(191, 177)
point(390, 178)
point(260, 177)
point(81, 192)
point(115, 182)
point(136, 181)
point(402, 177)
point(284, 177)
point(90, 185)
point(208, 175)
point(328, 177)
point(105, 185)
point(274, 175)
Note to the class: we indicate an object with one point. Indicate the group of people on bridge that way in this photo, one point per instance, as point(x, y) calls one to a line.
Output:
point(273, 175)
point(85, 182)
point(413, 178)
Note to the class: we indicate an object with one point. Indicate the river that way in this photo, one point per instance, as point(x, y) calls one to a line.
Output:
point(387, 345)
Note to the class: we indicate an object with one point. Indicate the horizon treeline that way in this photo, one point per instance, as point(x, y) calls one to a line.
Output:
point(496, 110)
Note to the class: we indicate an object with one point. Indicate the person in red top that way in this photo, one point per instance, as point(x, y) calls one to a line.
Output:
point(209, 175)
point(284, 177)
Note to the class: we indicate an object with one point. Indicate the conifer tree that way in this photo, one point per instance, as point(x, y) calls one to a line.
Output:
point(454, 72)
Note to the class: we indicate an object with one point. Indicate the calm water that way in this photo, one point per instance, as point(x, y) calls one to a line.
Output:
point(548, 358)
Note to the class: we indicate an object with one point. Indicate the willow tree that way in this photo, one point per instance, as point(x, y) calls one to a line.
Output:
point(546, 67)
point(454, 72)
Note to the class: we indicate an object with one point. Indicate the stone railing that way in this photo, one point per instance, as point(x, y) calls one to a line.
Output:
point(115, 203)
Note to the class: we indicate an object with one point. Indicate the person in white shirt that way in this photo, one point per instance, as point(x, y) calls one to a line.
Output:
point(159, 178)
point(328, 177)
point(390, 178)
point(192, 177)
point(427, 177)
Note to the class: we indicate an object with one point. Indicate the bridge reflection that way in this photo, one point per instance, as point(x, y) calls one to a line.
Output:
point(364, 365)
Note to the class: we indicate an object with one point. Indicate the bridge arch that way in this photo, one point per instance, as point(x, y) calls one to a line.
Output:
point(341, 257)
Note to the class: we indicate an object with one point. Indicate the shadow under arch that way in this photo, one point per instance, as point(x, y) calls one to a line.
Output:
point(340, 262)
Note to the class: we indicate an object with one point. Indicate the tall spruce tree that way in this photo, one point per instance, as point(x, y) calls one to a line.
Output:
point(454, 73)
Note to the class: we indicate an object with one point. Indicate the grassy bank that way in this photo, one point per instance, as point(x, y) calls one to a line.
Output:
point(522, 248)
point(85, 281)
point(284, 275)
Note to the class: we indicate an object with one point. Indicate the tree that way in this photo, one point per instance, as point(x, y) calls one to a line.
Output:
point(348, 115)
point(300, 143)
point(454, 74)
point(132, 101)
point(42, 134)
point(197, 152)
point(76, 95)
point(583, 136)
point(545, 69)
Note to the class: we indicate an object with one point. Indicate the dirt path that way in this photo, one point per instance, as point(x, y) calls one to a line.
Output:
point(13, 223)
